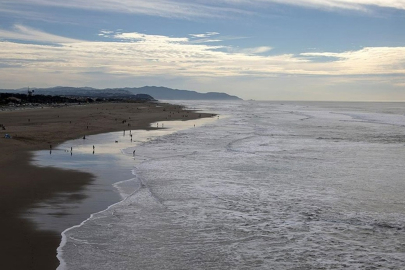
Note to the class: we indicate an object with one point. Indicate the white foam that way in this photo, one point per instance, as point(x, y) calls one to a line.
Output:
point(261, 189)
point(126, 188)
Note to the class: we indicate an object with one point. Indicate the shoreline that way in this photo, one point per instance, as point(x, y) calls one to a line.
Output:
point(23, 185)
point(59, 250)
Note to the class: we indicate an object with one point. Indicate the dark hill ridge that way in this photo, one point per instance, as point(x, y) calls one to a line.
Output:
point(154, 91)
point(173, 94)
point(79, 92)
point(24, 99)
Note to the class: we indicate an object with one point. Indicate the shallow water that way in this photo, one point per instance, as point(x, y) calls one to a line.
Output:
point(273, 186)
point(110, 161)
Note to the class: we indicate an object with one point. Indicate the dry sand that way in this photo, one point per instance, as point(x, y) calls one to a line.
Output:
point(22, 185)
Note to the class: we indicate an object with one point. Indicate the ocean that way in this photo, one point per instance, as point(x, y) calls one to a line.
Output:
point(263, 185)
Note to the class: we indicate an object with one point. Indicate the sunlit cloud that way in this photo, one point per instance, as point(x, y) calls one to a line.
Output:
point(369, 60)
point(141, 55)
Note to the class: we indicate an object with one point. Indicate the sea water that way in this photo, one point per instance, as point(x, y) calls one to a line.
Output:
point(273, 185)
point(109, 158)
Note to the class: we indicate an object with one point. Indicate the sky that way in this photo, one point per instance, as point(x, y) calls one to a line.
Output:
point(339, 50)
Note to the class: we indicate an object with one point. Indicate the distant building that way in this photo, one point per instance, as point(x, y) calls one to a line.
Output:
point(30, 92)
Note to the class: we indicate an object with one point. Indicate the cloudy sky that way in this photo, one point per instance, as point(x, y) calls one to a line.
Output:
point(256, 49)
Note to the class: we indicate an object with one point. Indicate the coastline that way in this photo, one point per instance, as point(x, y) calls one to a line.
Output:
point(22, 184)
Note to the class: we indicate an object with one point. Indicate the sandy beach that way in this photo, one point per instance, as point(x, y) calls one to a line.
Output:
point(22, 185)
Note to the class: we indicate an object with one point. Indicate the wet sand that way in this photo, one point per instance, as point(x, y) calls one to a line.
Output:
point(22, 185)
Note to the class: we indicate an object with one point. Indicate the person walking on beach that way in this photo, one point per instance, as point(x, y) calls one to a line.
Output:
point(133, 153)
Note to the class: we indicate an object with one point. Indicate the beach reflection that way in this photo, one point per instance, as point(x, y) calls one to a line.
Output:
point(109, 157)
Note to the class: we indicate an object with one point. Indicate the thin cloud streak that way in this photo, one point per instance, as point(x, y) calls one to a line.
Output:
point(256, 50)
point(201, 8)
point(160, 8)
point(361, 5)
point(29, 34)
point(205, 35)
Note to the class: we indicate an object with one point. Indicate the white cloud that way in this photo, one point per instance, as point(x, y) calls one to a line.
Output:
point(369, 60)
point(205, 38)
point(148, 38)
point(256, 50)
point(140, 55)
point(205, 35)
point(105, 33)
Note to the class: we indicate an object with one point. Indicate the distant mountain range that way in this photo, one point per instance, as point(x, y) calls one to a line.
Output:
point(154, 91)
